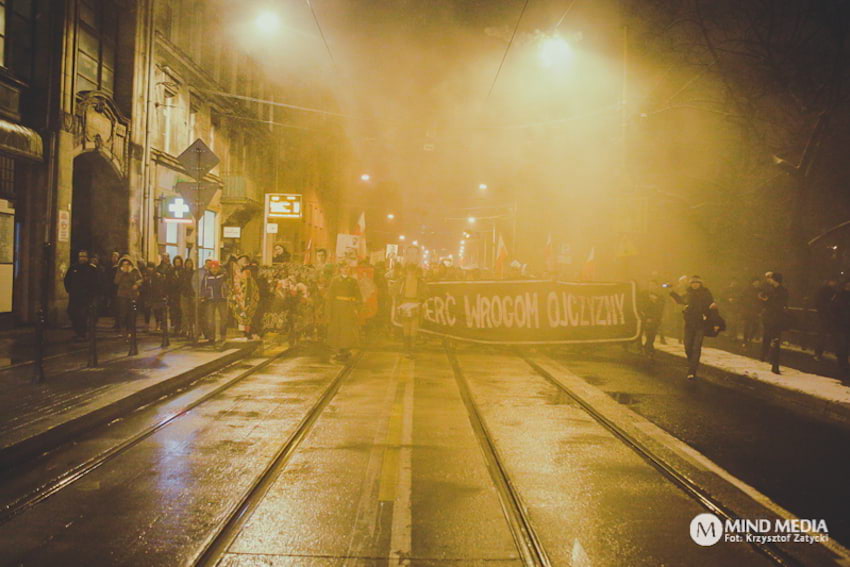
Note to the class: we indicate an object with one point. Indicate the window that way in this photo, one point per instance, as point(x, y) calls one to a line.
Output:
point(7, 178)
point(96, 44)
point(206, 238)
point(16, 36)
point(3, 5)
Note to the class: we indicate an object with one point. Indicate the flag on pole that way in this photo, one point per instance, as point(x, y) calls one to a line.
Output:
point(360, 230)
point(588, 270)
point(308, 253)
point(501, 256)
point(549, 254)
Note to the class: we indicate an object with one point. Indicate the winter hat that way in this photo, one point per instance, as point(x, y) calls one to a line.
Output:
point(777, 277)
point(696, 279)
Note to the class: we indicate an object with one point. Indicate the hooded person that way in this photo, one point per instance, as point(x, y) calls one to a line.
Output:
point(774, 319)
point(127, 281)
point(698, 303)
point(343, 301)
point(214, 295)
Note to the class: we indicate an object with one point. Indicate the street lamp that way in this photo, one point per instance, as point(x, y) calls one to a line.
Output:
point(390, 216)
point(482, 186)
point(471, 220)
point(365, 177)
point(555, 51)
point(416, 243)
point(267, 22)
point(401, 237)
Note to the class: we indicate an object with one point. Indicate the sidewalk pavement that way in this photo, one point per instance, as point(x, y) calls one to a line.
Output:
point(820, 397)
point(35, 418)
point(17, 347)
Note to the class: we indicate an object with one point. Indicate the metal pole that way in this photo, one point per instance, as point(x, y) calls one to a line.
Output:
point(134, 347)
point(165, 340)
point(196, 304)
point(38, 367)
point(92, 326)
point(41, 313)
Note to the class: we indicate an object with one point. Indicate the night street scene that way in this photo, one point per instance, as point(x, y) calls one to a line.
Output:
point(429, 283)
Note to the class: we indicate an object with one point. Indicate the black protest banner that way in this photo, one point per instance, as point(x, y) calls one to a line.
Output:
point(529, 312)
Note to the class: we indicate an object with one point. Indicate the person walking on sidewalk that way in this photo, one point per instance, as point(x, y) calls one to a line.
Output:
point(774, 297)
point(81, 283)
point(825, 306)
point(127, 283)
point(841, 328)
point(651, 313)
point(750, 309)
point(186, 291)
point(173, 287)
point(214, 294)
point(698, 304)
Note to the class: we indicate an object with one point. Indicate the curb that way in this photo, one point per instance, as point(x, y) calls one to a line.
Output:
point(732, 494)
point(831, 412)
point(55, 436)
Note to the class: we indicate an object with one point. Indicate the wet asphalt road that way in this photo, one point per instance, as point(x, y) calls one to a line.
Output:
point(391, 473)
point(802, 464)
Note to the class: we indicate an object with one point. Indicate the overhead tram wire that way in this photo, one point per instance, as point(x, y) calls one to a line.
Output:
point(274, 103)
point(507, 49)
point(322, 34)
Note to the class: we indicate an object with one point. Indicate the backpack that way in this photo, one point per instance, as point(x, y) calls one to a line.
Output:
point(711, 321)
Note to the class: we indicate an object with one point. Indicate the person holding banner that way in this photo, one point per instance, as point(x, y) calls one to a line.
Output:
point(343, 301)
point(699, 304)
point(411, 293)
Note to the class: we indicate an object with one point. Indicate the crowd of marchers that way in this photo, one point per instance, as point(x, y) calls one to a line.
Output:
point(333, 303)
point(745, 314)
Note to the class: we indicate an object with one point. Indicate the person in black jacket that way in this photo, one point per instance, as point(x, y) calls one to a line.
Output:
point(750, 307)
point(81, 283)
point(775, 300)
point(651, 313)
point(825, 307)
point(840, 309)
point(698, 303)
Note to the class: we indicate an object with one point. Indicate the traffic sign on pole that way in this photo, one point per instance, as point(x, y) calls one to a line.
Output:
point(198, 159)
point(197, 194)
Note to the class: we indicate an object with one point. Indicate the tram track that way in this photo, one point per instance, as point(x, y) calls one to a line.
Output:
point(235, 518)
point(79, 471)
point(688, 485)
point(528, 544)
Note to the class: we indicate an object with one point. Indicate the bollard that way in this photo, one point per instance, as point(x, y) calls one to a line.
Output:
point(134, 347)
point(165, 341)
point(92, 325)
point(38, 363)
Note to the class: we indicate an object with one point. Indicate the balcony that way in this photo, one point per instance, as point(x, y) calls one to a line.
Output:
point(236, 199)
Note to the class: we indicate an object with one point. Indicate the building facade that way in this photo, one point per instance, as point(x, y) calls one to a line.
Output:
point(98, 99)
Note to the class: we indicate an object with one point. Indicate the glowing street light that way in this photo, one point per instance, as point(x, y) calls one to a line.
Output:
point(555, 51)
point(267, 22)
point(401, 237)
point(471, 220)
point(365, 177)
point(482, 186)
point(390, 216)
point(416, 243)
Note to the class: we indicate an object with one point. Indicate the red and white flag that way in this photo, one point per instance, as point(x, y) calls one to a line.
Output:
point(360, 230)
point(308, 253)
point(588, 270)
